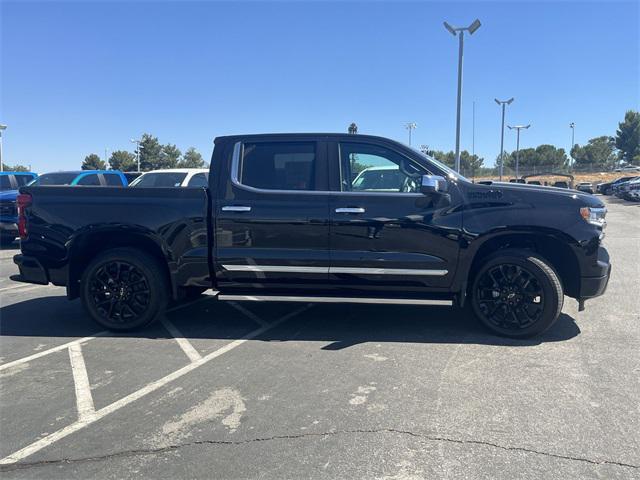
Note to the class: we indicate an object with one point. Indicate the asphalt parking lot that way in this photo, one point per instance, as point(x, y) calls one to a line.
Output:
point(252, 390)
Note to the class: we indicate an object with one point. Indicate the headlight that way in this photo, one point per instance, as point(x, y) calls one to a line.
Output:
point(595, 216)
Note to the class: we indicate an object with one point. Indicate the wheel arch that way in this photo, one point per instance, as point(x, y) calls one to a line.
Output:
point(86, 246)
point(553, 246)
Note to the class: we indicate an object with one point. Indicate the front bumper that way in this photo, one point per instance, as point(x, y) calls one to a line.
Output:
point(594, 286)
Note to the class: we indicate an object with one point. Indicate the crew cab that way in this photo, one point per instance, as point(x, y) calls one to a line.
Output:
point(282, 218)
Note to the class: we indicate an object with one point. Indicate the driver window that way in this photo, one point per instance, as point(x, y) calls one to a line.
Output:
point(369, 168)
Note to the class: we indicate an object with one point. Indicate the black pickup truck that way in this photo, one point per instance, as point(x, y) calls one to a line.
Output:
point(319, 218)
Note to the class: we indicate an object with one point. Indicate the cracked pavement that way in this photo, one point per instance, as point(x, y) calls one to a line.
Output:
point(336, 392)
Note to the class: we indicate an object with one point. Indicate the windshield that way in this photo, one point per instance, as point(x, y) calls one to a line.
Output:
point(449, 171)
point(160, 179)
point(60, 178)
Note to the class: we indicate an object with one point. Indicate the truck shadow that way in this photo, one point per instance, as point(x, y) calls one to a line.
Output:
point(339, 326)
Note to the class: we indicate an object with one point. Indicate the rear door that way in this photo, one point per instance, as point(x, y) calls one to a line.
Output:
point(385, 234)
point(272, 225)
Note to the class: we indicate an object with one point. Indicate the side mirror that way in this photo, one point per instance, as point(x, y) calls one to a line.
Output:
point(433, 184)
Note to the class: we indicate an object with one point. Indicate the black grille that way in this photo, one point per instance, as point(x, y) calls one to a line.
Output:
point(8, 209)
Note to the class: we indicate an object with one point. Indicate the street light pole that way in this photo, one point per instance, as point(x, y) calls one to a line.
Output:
point(572, 126)
point(459, 31)
point(410, 126)
point(137, 142)
point(503, 103)
point(2, 129)
point(517, 129)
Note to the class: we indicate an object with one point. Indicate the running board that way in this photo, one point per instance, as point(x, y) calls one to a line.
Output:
point(380, 301)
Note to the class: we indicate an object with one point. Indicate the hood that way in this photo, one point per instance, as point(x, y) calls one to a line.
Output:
point(544, 193)
point(8, 195)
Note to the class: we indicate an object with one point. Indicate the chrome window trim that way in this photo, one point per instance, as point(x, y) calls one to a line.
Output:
point(336, 270)
point(235, 180)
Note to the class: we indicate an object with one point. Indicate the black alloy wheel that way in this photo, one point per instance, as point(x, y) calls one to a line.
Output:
point(124, 288)
point(119, 292)
point(516, 293)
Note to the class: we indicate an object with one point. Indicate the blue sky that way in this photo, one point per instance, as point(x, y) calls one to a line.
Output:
point(79, 77)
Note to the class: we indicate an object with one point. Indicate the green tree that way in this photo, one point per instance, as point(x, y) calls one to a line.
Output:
point(150, 153)
point(14, 168)
point(597, 154)
point(543, 158)
point(169, 156)
point(192, 159)
point(628, 138)
point(93, 162)
point(123, 161)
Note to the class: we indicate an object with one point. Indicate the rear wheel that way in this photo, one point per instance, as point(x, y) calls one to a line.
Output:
point(123, 289)
point(517, 294)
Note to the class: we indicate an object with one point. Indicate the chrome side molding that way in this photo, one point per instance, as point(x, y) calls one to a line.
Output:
point(336, 270)
point(379, 301)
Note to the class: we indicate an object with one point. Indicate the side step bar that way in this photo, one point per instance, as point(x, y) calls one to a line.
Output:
point(380, 301)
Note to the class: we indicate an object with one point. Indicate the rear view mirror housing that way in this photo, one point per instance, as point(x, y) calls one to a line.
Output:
point(433, 184)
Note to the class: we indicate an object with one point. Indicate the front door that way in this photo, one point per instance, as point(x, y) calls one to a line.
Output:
point(272, 230)
point(385, 235)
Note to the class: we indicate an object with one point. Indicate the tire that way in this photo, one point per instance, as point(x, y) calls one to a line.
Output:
point(124, 289)
point(516, 294)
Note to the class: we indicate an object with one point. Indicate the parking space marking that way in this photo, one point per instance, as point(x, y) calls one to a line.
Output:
point(186, 347)
point(25, 286)
point(43, 353)
point(248, 314)
point(152, 387)
point(84, 399)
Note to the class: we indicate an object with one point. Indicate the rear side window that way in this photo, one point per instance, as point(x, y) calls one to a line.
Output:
point(91, 179)
point(198, 180)
point(5, 182)
point(278, 165)
point(113, 180)
point(23, 179)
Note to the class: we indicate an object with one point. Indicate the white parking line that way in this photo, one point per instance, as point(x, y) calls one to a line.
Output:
point(248, 313)
point(186, 347)
point(25, 286)
point(152, 387)
point(84, 399)
point(64, 346)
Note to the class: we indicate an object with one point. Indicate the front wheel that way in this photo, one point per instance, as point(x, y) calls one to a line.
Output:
point(517, 294)
point(123, 289)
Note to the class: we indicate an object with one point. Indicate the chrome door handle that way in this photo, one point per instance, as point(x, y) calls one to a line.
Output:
point(236, 208)
point(350, 210)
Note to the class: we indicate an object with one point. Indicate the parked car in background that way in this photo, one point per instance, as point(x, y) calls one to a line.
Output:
point(9, 183)
point(173, 177)
point(586, 187)
point(561, 184)
point(621, 189)
point(15, 180)
point(628, 168)
point(94, 178)
point(607, 187)
point(131, 176)
point(633, 191)
point(534, 182)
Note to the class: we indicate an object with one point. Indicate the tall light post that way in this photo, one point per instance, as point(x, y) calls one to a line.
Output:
point(410, 126)
point(459, 31)
point(572, 126)
point(137, 142)
point(2, 129)
point(503, 103)
point(517, 128)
